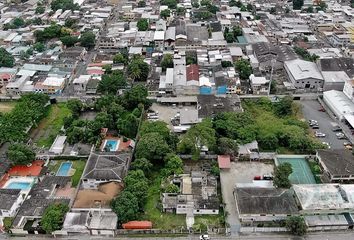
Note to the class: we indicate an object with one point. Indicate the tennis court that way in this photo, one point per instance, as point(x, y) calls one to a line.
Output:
point(301, 170)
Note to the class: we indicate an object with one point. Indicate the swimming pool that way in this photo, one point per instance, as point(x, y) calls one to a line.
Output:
point(19, 185)
point(112, 145)
point(64, 169)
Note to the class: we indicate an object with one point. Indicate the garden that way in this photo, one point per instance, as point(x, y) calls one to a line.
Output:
point(77, 165)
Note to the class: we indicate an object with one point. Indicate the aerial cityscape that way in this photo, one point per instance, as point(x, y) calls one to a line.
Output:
point(177, 119)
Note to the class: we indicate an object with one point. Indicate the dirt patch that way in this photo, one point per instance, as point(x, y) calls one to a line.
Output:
point(6, 106)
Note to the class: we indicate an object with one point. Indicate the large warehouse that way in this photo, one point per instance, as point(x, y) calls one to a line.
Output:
point(340, 105)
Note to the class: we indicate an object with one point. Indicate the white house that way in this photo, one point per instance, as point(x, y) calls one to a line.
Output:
point(11, 200)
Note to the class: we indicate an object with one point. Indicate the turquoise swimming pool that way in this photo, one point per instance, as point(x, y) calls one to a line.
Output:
point(64, 169)
point(19, 185)
point(112, 145)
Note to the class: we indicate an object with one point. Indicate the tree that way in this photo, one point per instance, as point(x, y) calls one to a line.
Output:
point(227, 146)
point(64, 5)
point(159, 127)
point(309, 9)
point(244, 68)
point(243, 8)
point(75, 106)
point(172, 188)
point(142, 164)
point(111, 83)
point(167, 62)
point(281, 175)
point(18, 22)
point(126, 206)
point(137, 183)
point(152, 146)
point(173, 165)
point(69, 41)
point(53, 217)
point(39, 47)
point(322, 6)
point(249, 7)
point(120, 58)
point(229, 37)
point(141, 4)
point(195, 4)
point(203, 15)
point(143, 24)
point(273, 11)
point(297, 4)
point(87, 39)
point(135, 96)
point(20, 154)
point(165, 13)
point(6, 59)
point(284, 106)
point(237, 31)
point(138, 70)
point(226, 64)
point(37, 21)
point(128, 125)
point(40, 10)
point(172, 4)
point(180, 11)
point(296, 225)
point(70, 23)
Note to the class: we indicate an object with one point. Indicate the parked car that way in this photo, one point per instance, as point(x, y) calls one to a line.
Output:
point(204, 237)
point(312, 122)
point(347, 144)
point(257, 178)
point(267, 177)
point(340, 135)
point(349, 147)
point(319, 134)
point(315, 126)
point(337, 129)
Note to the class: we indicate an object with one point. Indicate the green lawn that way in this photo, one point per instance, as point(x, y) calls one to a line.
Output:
point(50, 126)
point(209, 220)
point(78, 165)
point(152, 213)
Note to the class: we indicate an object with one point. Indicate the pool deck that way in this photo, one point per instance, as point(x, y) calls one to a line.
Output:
point(122, 146)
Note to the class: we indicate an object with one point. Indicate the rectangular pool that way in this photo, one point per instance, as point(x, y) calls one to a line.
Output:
point(112, 145)
point(19, 185)
point(64, 169)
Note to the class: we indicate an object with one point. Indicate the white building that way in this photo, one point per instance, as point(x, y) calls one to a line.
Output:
point(259, 85)
point(58, 145)
point(11, 200)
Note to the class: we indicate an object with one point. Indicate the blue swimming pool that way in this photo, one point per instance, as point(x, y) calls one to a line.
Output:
point(64, 169)
point(112, 144)
point(19, 185)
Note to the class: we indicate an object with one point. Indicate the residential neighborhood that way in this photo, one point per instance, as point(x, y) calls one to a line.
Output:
point(188, 119)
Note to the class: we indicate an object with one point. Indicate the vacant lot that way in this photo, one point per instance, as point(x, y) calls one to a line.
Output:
point(44, 135)
point(6, 106)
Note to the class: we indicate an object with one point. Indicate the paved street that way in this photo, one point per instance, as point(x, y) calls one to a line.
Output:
point(325, 122)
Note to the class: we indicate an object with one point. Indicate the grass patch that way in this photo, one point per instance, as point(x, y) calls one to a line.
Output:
point(78, 165)
point(8, 222)
point(316, 171)
point(50, 126)
point(210, 220)
point(152, 212)
point(6, 106)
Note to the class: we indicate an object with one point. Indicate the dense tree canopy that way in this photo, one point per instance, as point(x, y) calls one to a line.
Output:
point(143, 24)
point(69, 41)
point(88, 39)
point(165, 13)
point(138, 70)
point(172, 4)
point(297, 4)
point(244, 68)
point(64, 5)
point(142, 164)
point(296, 225)
point(6, 59)
point(167, 62)
point(20, 154)
point(111, 83)
point(281, 175)
point(40, 9)
point(126, 206)
point(53, 217)
point(152, 146)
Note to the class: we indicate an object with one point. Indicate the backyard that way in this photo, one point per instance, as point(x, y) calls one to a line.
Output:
point(44, 135)
point(6, 106)
point(160, 220)
point(78, 165)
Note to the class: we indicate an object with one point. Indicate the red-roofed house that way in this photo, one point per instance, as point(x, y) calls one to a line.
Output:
point(224, 161)
point(5, 78)
point(192, 86)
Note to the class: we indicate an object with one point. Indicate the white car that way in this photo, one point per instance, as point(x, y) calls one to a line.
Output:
point(319, 134)
point(326, 144)
point(204, 237)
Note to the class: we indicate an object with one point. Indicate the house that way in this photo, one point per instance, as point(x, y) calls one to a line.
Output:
point(198, 195)
point(192, 85)
point(304, 75)
point(105, 167)
point(58, 145)
point(7, 75)
point(94, 222)
point(51, 85)
point(11, 200)
point(15, 87)
point(170, 37)
point(262, 204)
point(259, 85)
point(159, 38)
point(337, 164)
point(76, 53)
point(91, 87)
point(44, 193)
point(80, 83)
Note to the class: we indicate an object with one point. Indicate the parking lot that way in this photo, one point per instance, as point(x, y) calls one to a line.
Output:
point(166, 112)
point(310, 110)
point(240, 172)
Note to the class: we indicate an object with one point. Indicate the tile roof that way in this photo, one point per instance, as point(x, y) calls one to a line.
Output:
point(224, 161)
point(8, 197)
point(192, 72)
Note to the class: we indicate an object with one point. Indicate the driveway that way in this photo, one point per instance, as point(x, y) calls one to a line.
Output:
point(325, 122)
point(240, 172)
